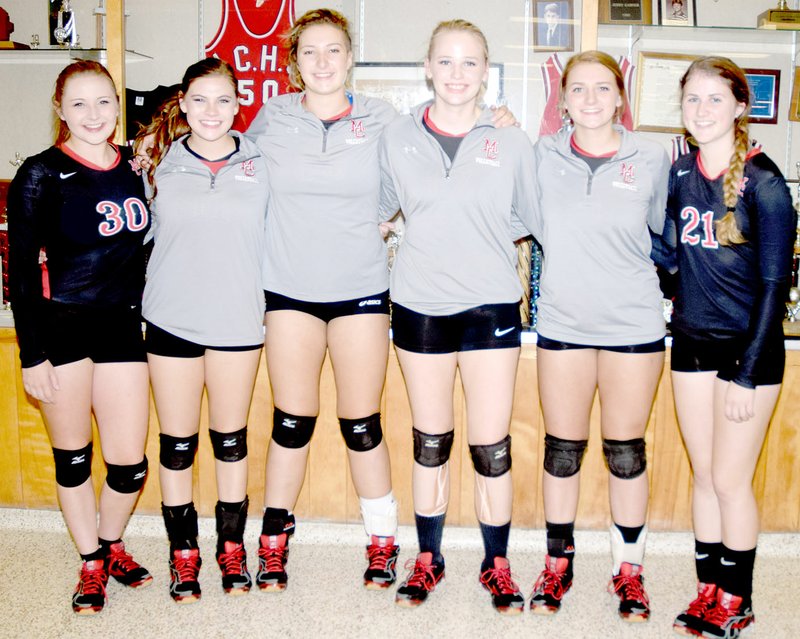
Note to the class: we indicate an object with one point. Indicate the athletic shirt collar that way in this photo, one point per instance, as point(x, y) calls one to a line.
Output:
point(426, 118)
point(91, 165)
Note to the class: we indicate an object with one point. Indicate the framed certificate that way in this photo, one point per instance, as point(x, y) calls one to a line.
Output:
point(677, 13)
point(658, 91)
point(626, 12)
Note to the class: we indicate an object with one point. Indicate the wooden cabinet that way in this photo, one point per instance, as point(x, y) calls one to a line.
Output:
point(28, 478)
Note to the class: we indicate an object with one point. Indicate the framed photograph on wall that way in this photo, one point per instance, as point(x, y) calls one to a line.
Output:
point(626, 12)
point(658, 91)
point(677, 13)
point(765, 85)
point(553, 25)
point(403, 84)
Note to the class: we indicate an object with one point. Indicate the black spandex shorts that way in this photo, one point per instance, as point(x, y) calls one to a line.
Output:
point(73, 332)
point(691, 355)
point(327, 311)
point(157, 341)
point(555, 345)
point(481, 328)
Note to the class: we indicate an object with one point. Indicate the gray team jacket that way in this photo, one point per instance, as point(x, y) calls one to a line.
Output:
point(599, 285)
point(322, 237)
point(203, 278)
point(461, 218)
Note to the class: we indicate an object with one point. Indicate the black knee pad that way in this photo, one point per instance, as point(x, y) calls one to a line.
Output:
point(363, 434)
point(626, 459)
point(127, 479)
point(492, 460)
point(229, 447)
point(563, 457)
point(292, 431)
point(177, 453)
point(73, 467)
point(432, 450)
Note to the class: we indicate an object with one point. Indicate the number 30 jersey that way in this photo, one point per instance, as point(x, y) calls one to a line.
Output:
point(737, 290)
point(88, 222)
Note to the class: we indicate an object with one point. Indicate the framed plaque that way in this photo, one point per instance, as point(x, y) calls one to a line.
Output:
point(794, 109)
point(765, 87)
point(658, 91)
point(626, 11)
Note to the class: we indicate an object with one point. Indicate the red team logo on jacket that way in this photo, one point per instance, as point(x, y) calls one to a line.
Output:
point(490, 149)
point(627, 172)
point(357, 128)
point(248, 38)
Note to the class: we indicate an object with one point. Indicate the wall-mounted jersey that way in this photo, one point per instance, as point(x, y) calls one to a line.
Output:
point(249, 38)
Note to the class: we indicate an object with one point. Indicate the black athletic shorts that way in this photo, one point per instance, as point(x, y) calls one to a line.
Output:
point(481, 328)
point(555, 345)
point(73, 332)
point(157, 341)
point(377, 304)
point(690, 355)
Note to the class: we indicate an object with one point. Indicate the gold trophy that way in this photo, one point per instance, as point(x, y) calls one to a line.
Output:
point(781, 17)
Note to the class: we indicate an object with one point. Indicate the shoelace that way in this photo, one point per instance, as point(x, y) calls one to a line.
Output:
point(123, 560)
point(379, 555)
point(422, 575)
point(719, 615)
point(630, 588)
point(550, 584)
point(700, 606)
point(92, 581)
point(187, 568)
point(503, 582)
point(232, 562)
point(273, 558)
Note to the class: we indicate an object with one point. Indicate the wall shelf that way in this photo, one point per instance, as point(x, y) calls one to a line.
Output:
point(52, 55)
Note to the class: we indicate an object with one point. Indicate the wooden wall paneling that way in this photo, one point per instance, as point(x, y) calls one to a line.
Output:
point(11, 484)
point(461, 509)
point(593, 508)
point(259, 432)
point(397, 425)
point(526, 433)
point(777, 481)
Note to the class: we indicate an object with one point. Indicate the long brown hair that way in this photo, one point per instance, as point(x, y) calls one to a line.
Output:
point(309, 19)
point(60, 128)
point(170, 122)
point(726, 229)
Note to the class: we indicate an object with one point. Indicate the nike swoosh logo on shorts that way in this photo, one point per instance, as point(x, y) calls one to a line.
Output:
point(64, 176)
point(499, 333)
point(682, 173)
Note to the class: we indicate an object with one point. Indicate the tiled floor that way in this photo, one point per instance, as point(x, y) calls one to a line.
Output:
point(38, 568)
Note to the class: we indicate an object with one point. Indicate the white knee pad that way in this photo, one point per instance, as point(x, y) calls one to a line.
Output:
point(380, 515)
point(626, 553)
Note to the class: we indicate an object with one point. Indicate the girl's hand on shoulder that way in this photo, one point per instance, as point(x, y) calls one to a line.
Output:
point(385, 228)
point(141, 151)
point(502, 117)
point(41, 382)
point(739, 403)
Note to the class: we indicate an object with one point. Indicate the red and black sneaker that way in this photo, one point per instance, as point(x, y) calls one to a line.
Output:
point(690, 622)
point(184, 568)
point(125, 569)
point(272, 554)
point(628, 585)
point(729, 618)
point(551, 586)
point(382, 557)
point(423, 577)
point(233, 564)
point(90, 593)
point(506, 597)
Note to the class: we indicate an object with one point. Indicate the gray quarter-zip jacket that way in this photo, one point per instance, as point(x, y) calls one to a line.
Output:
point(599, 285)
point(322, 237)
point(462, 217)
point(203, 278)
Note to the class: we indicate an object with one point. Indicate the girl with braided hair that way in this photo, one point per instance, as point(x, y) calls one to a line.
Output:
point(730, 223)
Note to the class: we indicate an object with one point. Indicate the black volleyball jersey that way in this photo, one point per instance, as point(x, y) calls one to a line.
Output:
point(89, 223)
point(734, 291)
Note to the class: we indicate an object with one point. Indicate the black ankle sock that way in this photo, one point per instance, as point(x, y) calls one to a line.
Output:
point(100, 553)
point(277, 521)
point(495, 543)
point(181, 524)
point(429, 535)
point(706, 561)
point(736, 572)
point(630, 534)
point(231, 518)
point(105, 544)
